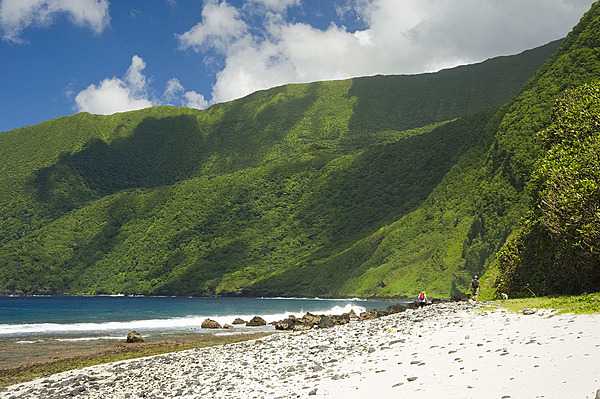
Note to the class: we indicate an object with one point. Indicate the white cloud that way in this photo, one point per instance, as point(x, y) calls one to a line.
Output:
point(221, 25)
point(408, 36)
point(131, 93)
point(173, 90)
point(17, 15)
point(275, 5)
point(115, 94)
point(194, 100)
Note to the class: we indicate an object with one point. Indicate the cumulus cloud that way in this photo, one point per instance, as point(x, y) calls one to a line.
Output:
point(194, 100)
point(117, 94)
point(175, 94)
point(221, 25)
point(131, 92)
point(408, 36)
point(275, 5)
point(17, 15)
point(173, 89)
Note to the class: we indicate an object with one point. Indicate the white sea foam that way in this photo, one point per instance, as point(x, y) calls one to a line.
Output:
point(314, 299)
point(177, 323)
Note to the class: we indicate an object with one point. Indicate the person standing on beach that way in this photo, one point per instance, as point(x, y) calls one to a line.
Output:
point(475, 287)
point(422, 299)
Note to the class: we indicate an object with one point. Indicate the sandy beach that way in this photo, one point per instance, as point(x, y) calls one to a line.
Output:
point(453, 350)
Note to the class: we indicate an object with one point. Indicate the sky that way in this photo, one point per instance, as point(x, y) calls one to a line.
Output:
point(59, 57)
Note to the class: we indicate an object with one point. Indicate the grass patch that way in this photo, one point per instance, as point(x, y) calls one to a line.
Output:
point(25, 373)
point(579, 304)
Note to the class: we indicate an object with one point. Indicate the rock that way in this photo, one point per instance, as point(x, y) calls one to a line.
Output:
point(208, 323)
point(256, 321)
point(393, 309)
point(134, 336)
point(341, 319)
point(285, 324)
point(313, 392)
point(352, 315)
point(238, 321)
point(598, 394)
point(227, 326)
point(528, 311)
point(411, 379)
point(310, 319)
point(326, 322)
point(368, 315)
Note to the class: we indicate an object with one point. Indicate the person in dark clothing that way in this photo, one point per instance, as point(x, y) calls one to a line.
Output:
point(475, 287)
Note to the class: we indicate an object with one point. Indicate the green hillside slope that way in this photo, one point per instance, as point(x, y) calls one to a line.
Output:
point(369, 186)
point(544, 161)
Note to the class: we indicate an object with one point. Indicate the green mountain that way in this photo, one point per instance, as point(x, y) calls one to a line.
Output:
point(381, 186)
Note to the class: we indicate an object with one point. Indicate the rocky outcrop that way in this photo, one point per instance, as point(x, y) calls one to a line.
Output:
point(238, 321)
point(256, 321)
point(210, 324)
point(134, 337)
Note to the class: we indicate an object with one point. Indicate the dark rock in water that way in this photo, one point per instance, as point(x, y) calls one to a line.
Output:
point(326, 322)
point(313, 392)
point(134, 336)
point(227, 326)
point(238, 321)
point(528, 311)
point(256, 321)
point(352, 315)
point(411, 379)
point(208, 323)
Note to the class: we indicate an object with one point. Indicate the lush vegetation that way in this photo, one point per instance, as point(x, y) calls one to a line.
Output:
point(557, 248)
point(578, 304)
point(377, 186)
point(547, 153)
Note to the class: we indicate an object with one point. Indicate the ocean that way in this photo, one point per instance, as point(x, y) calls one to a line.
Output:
point(111, 317)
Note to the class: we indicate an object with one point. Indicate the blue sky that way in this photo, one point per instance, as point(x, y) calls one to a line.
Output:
point(52, 52)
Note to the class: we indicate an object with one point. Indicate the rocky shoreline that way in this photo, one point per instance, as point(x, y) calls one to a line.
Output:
point(450, 350)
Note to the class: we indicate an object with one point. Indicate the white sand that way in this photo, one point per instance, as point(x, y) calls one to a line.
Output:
point(460, 353)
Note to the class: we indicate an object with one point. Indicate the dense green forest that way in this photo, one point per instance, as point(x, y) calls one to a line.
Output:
point(375, 186)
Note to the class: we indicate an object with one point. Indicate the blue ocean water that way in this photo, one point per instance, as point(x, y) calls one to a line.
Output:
point(106, 316)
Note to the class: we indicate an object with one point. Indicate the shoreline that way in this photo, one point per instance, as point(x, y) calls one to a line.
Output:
point(451, 350)
point(22, 363)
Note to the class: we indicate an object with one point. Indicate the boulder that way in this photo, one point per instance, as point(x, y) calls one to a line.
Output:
point(256, 321)
point(528, 311)
point(238, 321)
point(208, 323)
point(326, 322)
point(368, 315)
point(339, 320)
point(227, 326)
point(310, 319)
point(352, 315)
point(285, 324)
point(397, 308)
point(598, 394)
point(134, 336)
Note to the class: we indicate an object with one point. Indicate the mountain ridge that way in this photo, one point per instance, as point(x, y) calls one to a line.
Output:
point(336, 188)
